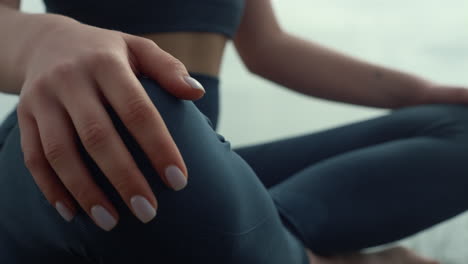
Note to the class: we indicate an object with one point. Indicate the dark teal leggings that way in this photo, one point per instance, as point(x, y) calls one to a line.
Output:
point(334, 191)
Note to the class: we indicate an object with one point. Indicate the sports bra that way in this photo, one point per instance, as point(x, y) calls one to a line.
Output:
point(153, 16)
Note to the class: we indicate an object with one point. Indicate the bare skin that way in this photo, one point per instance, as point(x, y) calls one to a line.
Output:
point(199, 52)
point(204, 55)
point(395, 255)
point(261, 44)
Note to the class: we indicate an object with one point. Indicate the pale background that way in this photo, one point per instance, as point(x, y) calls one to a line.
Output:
point(425, 37)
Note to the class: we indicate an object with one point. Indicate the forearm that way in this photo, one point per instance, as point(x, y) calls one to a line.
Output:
point(314, 70)
point(18, 32)
point(9, 16)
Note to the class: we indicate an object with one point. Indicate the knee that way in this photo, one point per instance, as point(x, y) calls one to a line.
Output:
point(457, 112)
point(223, 194)
point(181, 117)
point(441, 120)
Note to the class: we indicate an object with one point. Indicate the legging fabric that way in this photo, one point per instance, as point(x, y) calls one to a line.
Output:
point(334, 191)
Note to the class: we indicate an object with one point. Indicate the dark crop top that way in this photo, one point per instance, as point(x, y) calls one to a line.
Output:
point(152, 16)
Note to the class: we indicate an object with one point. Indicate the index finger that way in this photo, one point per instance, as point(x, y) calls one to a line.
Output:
point(132, 104)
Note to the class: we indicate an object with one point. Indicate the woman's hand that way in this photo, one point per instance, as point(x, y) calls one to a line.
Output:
point(437, 93)
point(70, 73)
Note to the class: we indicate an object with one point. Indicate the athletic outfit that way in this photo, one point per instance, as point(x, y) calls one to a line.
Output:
point(143, 17)
point(333, 191)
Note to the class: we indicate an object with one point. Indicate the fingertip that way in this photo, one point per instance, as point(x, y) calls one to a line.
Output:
point(194, 83)
point(103, 218)
point(65, 211)
point(143, 208)
point(198, 97)
point(187, 93)
point(188, 88)
point(175, 177)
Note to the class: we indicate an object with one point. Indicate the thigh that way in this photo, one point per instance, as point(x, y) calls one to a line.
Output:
point(224, 215)
point(278, 160)
point(406, 171)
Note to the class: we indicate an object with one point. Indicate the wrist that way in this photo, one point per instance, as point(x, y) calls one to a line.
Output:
point(36, 28)
point(25, 32)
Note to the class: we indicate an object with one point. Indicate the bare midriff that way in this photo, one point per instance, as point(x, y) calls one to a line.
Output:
point(200, 52)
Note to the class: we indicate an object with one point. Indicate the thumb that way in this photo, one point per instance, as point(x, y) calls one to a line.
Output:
point(161, 66)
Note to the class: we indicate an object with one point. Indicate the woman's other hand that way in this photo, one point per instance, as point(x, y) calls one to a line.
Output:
point(71, 72)
point(438, 93)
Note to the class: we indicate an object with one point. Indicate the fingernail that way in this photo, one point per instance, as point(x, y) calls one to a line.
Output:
point(175, 177)
point(194, 83)
point(142, 208)
point(103, 218)
point(64, 211)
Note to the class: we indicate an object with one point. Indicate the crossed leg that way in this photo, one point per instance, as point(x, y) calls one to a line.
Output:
point(371, 182)
point(226, 214)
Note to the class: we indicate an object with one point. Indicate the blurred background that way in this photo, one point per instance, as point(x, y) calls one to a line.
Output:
point(425, 37)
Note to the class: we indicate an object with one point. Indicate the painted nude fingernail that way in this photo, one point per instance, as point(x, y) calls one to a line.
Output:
point(64, 211)
point(194, 83)
point(175, 177)
point(142, 208)
point(103, 218)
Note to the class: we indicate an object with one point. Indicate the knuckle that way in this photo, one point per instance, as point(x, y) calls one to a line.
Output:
point(63, 69)
point(149, 43)
point(93, 135)
point(173, 64)
point(103, 58)
point(22, 107)
point(54, 152)
point(138, 112)
point(40, 82)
